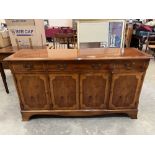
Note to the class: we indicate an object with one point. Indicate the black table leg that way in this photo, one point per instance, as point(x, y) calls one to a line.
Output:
point(141, 42)
point(4, 77)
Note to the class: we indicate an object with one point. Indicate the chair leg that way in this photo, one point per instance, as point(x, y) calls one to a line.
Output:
point(154, 55)
point(4, 78)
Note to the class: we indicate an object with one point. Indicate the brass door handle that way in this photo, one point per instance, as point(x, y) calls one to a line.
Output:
point(28, 66)
point(96, 66)
point(61, 66)
point(129, 66)
point(112, 66)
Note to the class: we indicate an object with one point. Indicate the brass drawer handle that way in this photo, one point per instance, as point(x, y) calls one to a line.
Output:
point(96, 66)
point(61, 66)
point(112, 66)
point(129, 66)
point(28, 66)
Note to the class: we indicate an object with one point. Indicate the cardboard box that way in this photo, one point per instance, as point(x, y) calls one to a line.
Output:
point(20, 22)
point(29, 33)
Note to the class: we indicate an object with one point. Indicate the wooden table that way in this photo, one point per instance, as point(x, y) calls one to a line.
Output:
point(5, 52)
point(87, 82)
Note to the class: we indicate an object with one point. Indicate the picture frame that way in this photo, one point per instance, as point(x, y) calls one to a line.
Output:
point(93, 33)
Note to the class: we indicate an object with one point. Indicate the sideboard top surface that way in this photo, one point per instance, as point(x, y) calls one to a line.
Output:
point(77, 55)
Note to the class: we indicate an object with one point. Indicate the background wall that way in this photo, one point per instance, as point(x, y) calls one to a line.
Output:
point(93, 32)
point(2, 21)
point(54, 22)
point(60, 22)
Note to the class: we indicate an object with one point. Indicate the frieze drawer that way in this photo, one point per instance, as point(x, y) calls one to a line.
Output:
point(130, 65)
point(94, 66)
point(28, 67)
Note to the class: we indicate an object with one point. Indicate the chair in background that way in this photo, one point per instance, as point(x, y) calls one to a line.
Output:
point(128, 37)
point(71, 40)
point(150, 44)
point(62, 40)
point(59, 41)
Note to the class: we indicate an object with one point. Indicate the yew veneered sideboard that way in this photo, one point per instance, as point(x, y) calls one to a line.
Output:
point(86, 82)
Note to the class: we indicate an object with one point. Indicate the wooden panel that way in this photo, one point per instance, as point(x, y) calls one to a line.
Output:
point(125, 89)
point(33, 90)
point(94, 90)
point(28, 67)
point(65, 91)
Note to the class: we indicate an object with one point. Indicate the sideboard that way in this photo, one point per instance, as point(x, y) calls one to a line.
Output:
point(86, 82)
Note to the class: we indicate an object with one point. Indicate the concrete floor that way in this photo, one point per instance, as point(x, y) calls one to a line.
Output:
point(10, 118)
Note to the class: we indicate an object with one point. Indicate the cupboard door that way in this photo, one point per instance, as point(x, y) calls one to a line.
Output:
point(94, 90)
point(65, 91)
point(33, 89)
point(125, 89)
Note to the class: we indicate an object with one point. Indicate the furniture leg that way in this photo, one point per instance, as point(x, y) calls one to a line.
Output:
point(68, 43)
point(4, 78)
point(25, 116)
point(140, 46)
point(132, 114)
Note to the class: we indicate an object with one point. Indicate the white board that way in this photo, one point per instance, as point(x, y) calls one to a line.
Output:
point(93, 32)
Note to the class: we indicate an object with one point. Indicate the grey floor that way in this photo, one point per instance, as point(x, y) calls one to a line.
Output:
point(10, 118)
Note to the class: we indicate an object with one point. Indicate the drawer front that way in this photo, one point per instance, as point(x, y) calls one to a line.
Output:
point(27, 66)
point(77, 66)
point(130, 66)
